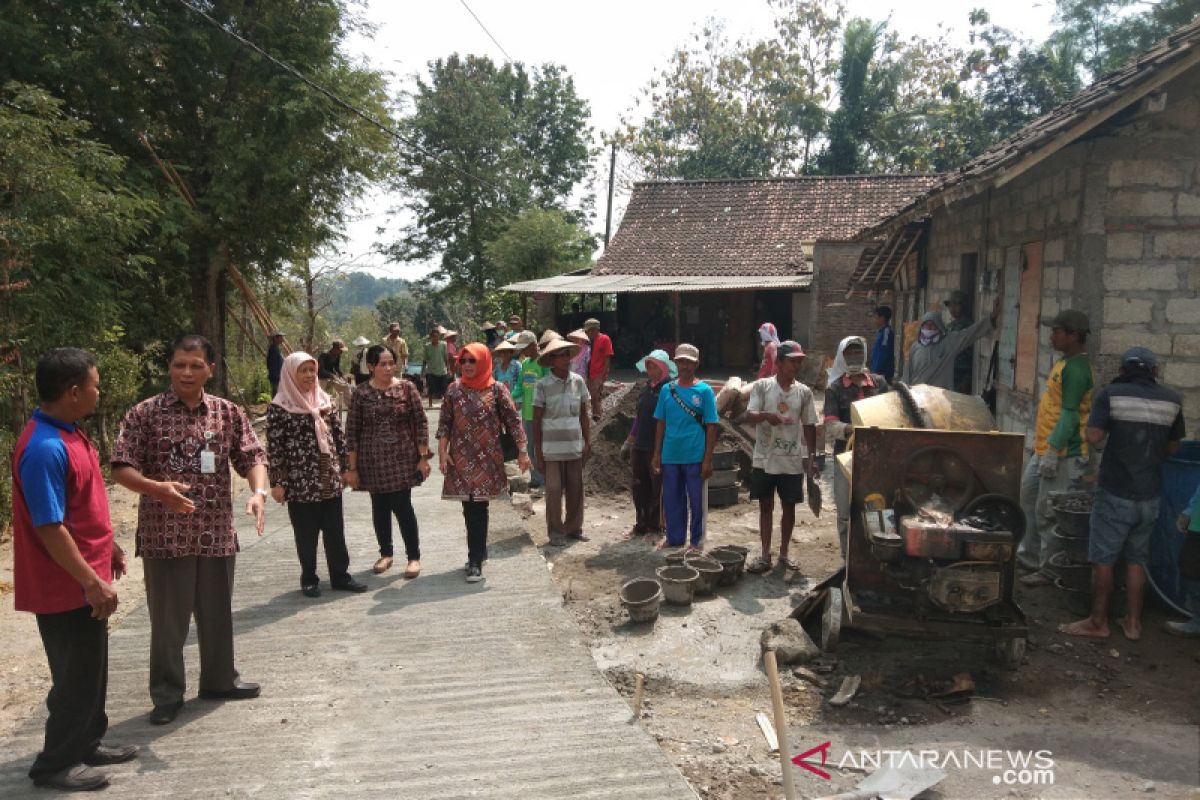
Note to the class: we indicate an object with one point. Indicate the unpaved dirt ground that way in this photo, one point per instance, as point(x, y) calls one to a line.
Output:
point(1120, 718)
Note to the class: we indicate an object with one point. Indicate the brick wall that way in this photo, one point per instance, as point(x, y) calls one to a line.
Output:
point(1119, 219)
point(834, 316)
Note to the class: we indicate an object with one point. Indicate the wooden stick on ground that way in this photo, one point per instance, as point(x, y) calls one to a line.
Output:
point(785, 752)
point(638, 691)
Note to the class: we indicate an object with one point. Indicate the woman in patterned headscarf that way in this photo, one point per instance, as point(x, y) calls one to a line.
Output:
point(470, 455)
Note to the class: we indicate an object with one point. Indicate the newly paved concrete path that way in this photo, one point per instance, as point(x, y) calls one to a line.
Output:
point(431, 688)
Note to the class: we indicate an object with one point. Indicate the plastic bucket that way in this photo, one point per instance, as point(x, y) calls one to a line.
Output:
point(1075, 576)
point(678, 584)
point(732, 563)
point(1181, 476)
point(1075, 548)
point(710, 572)
point(641, 598)
point(676, 558)
point(724, 459)
point(1073, 512)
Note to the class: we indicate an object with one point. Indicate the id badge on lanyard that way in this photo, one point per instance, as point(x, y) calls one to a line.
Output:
point(208, 459)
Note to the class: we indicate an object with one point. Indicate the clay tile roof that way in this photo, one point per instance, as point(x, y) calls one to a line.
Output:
point(747, 227)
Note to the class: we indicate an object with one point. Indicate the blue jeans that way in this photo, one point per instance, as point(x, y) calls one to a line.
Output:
point(1120, 527)
point(683, 492)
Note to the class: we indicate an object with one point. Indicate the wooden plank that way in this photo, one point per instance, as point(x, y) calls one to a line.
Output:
point(1029, 311)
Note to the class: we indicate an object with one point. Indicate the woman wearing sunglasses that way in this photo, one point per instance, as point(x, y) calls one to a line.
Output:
point(475, 410)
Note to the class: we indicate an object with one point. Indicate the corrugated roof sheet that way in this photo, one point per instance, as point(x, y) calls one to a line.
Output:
point(633, 284)
point(751, 227)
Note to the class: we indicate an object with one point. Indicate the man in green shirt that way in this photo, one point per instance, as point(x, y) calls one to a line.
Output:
point(434, 369)
point(1060, 456)
point(531, 373)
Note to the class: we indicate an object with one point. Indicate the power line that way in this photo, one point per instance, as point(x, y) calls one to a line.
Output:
point(485, 30)
point(337, 100)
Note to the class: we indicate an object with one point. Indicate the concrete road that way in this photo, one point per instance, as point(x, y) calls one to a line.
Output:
point(423, 689)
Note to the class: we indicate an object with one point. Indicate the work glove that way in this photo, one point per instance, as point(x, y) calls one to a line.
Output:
point(1048, 468)
point(1182, 522)
point(626, 451)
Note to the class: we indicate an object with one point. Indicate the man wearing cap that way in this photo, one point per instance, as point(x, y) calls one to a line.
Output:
point(1059, 450)
point(960, 320)
point(561, 430)
point(395, 342)
point(329, 372)
point(883, 352)
point(490, 336)
point(275, 361)
point(598, 366)
point(684, 439)
point(531, 372)
point(435, 367)
point(515, 326)
point(783, 410)
point(1143, 423)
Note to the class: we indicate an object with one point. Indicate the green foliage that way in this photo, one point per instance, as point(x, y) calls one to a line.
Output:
point(526, 145)
point(537, 243)
point(1110, 32)
point(269, 161)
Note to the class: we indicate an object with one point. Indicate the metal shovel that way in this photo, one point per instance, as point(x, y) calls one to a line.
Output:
point(893, 783)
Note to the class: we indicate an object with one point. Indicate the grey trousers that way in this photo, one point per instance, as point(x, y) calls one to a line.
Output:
point(177, 588)
point(1039, 545)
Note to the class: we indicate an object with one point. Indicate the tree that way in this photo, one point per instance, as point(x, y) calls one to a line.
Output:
point(67, 222)
point(864, 89)
point(485, 143)
point(1110, 32)
point(538, 243)
point(269, 161)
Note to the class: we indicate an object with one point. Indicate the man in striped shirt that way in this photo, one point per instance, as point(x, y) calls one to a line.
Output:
point(1143, 423)
point(561, 429)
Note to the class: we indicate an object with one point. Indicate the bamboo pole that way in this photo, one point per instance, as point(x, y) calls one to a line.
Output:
point(785, 753)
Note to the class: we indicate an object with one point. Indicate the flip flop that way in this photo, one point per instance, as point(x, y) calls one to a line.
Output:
point(790, 563)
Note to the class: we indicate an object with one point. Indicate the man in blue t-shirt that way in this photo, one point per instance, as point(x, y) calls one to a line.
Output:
point(1143, 423)
point(883, 353)
point(684, 440)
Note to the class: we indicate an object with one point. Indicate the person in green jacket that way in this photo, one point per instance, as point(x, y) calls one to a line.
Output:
point(531, 373)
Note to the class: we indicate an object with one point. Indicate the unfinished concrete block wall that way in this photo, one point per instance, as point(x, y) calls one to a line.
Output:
point(834, 316)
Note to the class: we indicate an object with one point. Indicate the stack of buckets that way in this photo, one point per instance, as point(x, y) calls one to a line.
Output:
point(1072, 511)
point(685, 575)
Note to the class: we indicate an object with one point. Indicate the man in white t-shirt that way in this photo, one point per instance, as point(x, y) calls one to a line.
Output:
point(786, 418)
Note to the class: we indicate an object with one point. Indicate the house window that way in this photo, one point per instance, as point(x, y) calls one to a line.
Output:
point(1022, 317)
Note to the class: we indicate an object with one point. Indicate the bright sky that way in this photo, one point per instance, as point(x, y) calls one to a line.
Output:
point(612, 50)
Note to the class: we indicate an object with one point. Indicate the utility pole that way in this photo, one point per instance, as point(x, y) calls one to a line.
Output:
point(612, 169)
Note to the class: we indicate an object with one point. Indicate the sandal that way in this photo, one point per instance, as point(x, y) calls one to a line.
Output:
point(759, 565)
point(413, 569)
point(382, 565)
point(790, 563)
point(632, 533)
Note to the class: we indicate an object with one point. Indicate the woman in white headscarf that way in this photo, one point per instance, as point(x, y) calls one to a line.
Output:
point(306, 454)
point(849, 382)
point(769, 338)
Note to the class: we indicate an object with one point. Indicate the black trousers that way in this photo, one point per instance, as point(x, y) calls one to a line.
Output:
point(77, 651)
point(646, 488)
point(476, 516)
point(383, 506)
point(309, 521)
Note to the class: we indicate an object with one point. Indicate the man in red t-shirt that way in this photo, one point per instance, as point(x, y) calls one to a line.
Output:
point(602, 352)
point(64, 562)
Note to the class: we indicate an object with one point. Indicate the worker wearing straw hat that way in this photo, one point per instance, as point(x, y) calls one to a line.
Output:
point(561, 429)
